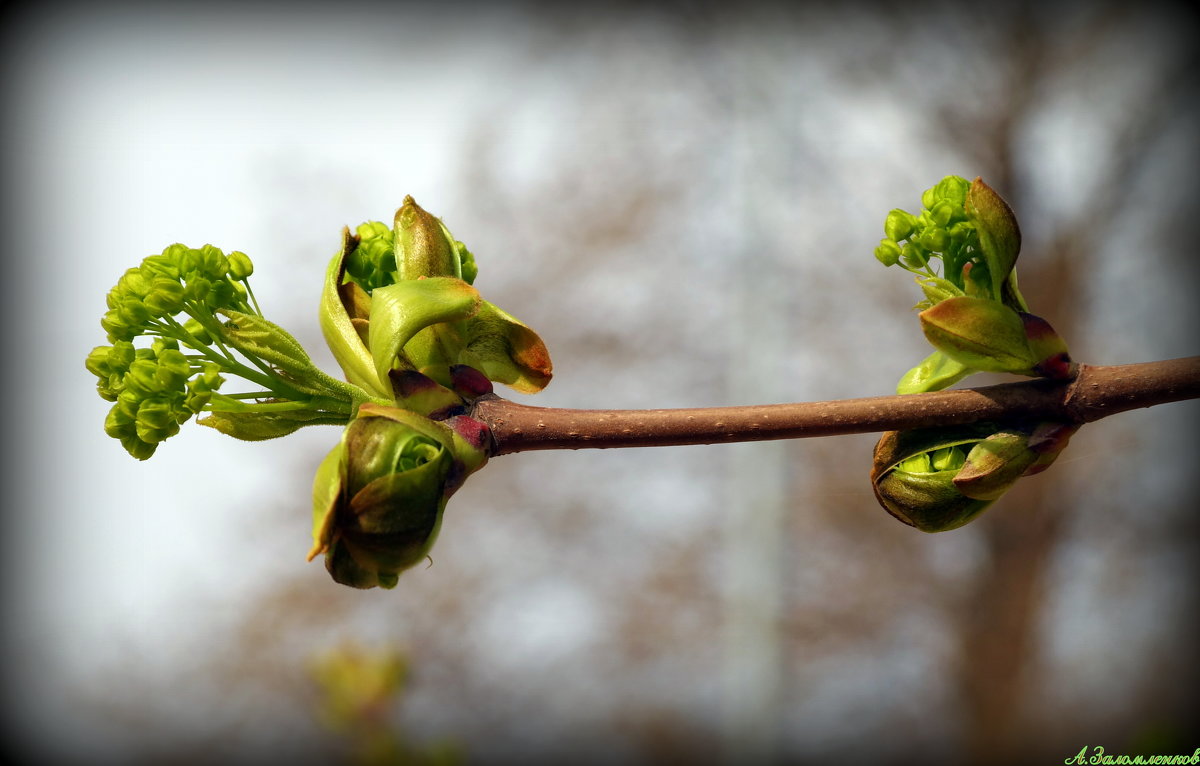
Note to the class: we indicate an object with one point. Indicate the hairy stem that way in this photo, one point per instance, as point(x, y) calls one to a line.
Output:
point(1095, 393)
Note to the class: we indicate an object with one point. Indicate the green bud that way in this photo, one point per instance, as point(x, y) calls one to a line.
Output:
point(201, 387)
point(935, 239)
point(118, 423)
point(110, 388)
point(165, 266)
point(942, 478)
point(120, 356)
point(929, 197)
point(198, 288)
point(208, 261)
point(379, 495)
point(899, 224)
point(423, 247)
point(953, 190)
point(173, 370)
point(155, 421)
point(117, 328)
point(138, 448)
point(467, 261)
point(913, 476)
point(888, 252)
point(143, 378)
point(979, 333)
point(133, 312)
point(97, 361)
point(240, 265)
point(422, 322)
point(943, 212)
point(129, 401)
point(134, 283)
point(166, 297)
point(999, 235)
point(374, 229)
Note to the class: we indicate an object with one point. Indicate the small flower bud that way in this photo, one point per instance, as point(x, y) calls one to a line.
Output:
point(138, 448)
point(935, 239)
point(943, 212)
point(129, 401)
point(118, 423)
point(207, 261)
point(134, 283)
point(467, 261)
point(97, 361)
point(240, 265)
point(143, 378)
point(951, 189)
point(888, 252)
point(172, 370)
point(929, 197)
point(116, 327)
point(155, 421)
point(165, 266)
point(166, 297)
point(197, 288)
point(899, 224)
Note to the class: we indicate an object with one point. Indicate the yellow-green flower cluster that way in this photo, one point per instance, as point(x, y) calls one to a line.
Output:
point(373, 262)
point(179, 280)
point(158, 388)
point(941, 231)
point(155, 390)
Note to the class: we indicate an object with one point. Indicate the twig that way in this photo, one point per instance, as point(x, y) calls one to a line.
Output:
point(1095, 393)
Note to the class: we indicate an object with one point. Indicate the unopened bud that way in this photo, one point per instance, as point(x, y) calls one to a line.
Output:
point(423, 248)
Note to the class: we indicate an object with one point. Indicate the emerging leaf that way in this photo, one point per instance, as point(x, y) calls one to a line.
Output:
point(979, 333)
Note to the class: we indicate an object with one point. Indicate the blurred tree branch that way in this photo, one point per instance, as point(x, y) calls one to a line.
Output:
point(1095, 393)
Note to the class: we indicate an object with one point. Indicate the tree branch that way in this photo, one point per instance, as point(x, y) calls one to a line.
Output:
point(1095, 393)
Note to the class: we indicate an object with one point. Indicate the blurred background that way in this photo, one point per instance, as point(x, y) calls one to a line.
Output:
point(684, 203)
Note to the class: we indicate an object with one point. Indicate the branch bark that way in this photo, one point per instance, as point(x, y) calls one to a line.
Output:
point(1096, 392)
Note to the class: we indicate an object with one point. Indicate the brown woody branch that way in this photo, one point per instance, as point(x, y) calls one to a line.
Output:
point(1096, 392)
